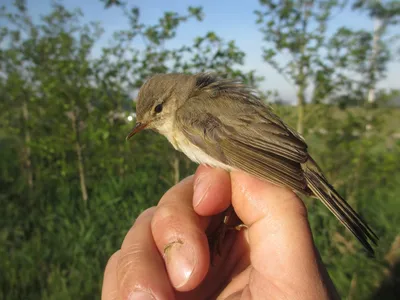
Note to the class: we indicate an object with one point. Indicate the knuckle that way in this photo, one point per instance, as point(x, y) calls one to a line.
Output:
point(166, 218)
point(129, 258)
point(113, 258)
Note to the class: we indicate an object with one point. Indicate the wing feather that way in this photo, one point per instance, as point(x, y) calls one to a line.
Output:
point(250, 137)
point(263, 149)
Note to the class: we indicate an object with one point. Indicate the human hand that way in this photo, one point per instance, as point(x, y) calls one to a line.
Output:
point(165, 255)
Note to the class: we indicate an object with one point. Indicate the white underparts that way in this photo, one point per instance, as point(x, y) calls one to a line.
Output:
point(181, 143)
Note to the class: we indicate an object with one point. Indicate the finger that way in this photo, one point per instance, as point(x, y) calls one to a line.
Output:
point(179, 234)
point(110, 283)
point(140, 269)
point(282, 247)
point(212, 190)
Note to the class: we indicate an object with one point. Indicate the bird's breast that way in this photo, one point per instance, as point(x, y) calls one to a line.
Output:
point(194, 153)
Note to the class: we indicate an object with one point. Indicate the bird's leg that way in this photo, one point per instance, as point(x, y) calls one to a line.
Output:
point(230, 221)
point(241, 227)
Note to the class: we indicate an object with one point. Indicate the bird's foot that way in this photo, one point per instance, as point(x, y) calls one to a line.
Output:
point(217, 235)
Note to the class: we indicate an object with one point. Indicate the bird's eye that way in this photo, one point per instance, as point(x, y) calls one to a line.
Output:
point(158, 108)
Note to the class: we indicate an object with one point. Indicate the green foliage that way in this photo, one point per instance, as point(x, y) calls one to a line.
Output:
point(70, 186)
point(384, 15)
point(110, 3)
point(389, 10)
point(358, 150)
point(348, 63)
point(298, 29)
point(349, 56)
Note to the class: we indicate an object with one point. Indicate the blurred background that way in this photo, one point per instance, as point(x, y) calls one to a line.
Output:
point(71, 186)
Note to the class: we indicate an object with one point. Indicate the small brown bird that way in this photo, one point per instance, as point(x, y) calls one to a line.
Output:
point(222, 123)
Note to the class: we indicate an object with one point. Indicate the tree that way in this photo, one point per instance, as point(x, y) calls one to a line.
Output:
point(348, 61)
point(18, 83)
point(88, 183)
point(384, 14)
point(297, 29)
point(51, 238)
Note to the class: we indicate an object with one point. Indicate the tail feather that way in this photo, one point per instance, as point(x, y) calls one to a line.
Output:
point(320, 187)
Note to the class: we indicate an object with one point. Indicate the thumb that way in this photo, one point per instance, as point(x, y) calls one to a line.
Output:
point(285, 261)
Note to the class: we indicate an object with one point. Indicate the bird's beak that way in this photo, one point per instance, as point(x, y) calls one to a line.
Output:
point(138, 127)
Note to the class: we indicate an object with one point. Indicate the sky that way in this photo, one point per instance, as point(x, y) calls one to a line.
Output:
point(230, 19)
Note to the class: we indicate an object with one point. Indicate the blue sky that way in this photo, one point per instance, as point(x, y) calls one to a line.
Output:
point(230, 19)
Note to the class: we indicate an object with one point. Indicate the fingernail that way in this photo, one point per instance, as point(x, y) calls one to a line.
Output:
point(201, 187)
point(140, 295)
point(180, 262)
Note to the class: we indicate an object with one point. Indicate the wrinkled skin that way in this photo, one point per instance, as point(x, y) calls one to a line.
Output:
point(165, 254)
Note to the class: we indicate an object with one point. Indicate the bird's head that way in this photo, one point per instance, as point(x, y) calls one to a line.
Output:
point(159, 98)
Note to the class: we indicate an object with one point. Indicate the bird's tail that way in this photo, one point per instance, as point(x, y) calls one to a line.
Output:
point(321, 189)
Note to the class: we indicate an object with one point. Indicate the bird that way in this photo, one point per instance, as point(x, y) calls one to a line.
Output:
point(223, 123)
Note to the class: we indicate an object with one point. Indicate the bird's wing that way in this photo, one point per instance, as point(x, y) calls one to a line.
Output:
point(247, 137)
